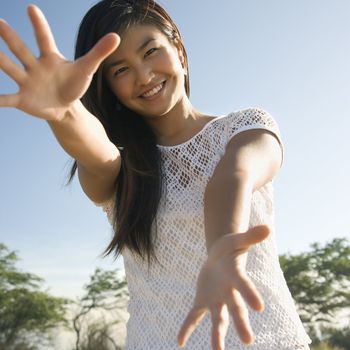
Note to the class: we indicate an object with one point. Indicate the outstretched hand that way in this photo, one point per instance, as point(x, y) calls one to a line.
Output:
point(223, 288)
point(49, 84)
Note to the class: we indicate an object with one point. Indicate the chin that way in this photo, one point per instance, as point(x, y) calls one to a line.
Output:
point(154, 115)
point(158, 109)
point(156, 112)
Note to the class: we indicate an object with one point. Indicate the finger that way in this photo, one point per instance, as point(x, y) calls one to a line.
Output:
point(90, 62)
point(10, 100)
point(220, 321)
point(11, 69)
point(16, 45)
point(258, 233)
point(249, 292)
point(42, 30)
point(239, 242)
point(240, 317)
point(192, 320)
point(253, 236)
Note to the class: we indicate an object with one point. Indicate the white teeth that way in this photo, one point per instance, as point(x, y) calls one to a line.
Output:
point(153, 91)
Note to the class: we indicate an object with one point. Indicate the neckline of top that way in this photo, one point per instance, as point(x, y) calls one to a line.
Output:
point(192, 137)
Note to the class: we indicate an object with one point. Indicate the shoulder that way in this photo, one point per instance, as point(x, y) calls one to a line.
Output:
point(252, 125)
point(225, 127)
point(252, 116)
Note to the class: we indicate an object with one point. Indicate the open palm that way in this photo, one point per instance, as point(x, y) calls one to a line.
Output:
point(223, 288)
point(49, 84)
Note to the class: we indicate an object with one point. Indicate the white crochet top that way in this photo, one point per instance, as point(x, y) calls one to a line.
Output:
point(161, 297)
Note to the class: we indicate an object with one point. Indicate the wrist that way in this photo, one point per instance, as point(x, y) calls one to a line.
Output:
point(227, 209)
point(221, 246)
point(66, 114)
point(225, 250)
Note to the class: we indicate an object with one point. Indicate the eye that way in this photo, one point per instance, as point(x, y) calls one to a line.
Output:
point(150, 51)
point(120, 70)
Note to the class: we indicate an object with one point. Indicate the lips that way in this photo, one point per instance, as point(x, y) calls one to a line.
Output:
point(153, 92)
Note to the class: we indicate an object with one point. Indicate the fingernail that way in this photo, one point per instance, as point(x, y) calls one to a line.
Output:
point(262, 307)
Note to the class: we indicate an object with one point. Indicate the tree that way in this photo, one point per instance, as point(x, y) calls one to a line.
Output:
point(338, 337)
point(27, 313)
point(106, 296)
point(319, 282)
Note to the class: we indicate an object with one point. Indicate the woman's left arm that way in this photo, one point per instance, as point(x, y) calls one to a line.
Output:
point(252, 159)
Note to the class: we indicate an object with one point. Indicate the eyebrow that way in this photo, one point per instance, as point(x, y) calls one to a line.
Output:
point(116, 63)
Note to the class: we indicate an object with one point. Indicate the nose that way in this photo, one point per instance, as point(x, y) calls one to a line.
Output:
point(144, 74)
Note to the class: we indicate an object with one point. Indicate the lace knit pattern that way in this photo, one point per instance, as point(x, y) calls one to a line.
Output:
point(160, 297)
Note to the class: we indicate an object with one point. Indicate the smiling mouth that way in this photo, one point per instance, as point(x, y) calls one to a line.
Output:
point(153, 92)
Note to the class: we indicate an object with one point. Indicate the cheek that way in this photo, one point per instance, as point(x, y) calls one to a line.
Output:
point(168, 61)
point(121, 88)
point(177, 71)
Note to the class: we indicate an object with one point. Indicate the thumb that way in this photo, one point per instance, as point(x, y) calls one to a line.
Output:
point(238, 242)
point(90, 62)
point(256, 234)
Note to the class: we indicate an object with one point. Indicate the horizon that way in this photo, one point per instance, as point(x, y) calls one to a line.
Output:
point(291, 59)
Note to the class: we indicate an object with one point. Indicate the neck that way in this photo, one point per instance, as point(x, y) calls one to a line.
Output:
point(177, 125)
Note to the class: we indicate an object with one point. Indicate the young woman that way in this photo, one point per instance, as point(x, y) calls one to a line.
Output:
point(189, 195)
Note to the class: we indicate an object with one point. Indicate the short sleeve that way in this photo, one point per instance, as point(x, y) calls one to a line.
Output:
point(255, 118)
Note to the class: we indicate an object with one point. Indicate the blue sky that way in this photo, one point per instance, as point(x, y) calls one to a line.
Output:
point(290, 58)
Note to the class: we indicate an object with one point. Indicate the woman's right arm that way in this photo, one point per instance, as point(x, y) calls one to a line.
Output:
point(50, 88)
point(83, 137)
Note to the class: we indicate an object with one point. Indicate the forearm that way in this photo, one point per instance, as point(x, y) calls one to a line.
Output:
point(83, 137)
point(227, 206)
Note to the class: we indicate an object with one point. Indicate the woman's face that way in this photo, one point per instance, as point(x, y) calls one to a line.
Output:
point(146, 72)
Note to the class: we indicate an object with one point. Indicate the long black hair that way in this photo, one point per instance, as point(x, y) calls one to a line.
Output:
point(138, 187)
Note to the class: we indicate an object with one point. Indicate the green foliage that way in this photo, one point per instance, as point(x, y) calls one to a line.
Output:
point(98, 337)
point(26, 313)
point(104, 286)
point(319, 281)
point(324, 346)
point(338, 337)
point(106, 292)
